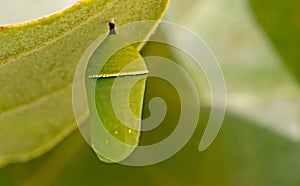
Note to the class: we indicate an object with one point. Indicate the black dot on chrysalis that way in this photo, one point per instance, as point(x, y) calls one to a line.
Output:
point(111, 24)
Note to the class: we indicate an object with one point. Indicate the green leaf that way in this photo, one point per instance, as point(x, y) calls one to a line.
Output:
point(243, 154)
point(37, 65)
point(256, 80)
point(113, 141)
point(280, 20)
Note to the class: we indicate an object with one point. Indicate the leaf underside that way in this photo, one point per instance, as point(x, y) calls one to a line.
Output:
point(37, 65)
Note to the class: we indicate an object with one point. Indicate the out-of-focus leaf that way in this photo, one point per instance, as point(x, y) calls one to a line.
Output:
point(37, 65)
point(20, 11)
point(280, 21)
point(243, 154)
point(259, 87)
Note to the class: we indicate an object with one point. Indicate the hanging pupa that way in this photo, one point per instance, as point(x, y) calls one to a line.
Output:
point(111, 139)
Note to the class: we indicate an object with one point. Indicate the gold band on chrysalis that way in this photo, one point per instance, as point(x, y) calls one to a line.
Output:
point(112, 75)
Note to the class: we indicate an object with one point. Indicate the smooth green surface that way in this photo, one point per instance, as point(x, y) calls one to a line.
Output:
point(114, 141)
point(282, 27)
point(243, 154)
point(37, 65)
point(259, 86)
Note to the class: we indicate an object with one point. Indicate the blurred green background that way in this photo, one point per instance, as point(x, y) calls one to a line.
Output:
point(257, 45)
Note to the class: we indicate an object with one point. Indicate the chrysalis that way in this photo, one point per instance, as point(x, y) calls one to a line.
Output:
point(111, 140)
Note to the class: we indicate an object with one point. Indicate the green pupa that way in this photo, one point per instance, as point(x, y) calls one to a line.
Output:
point(111, 140)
